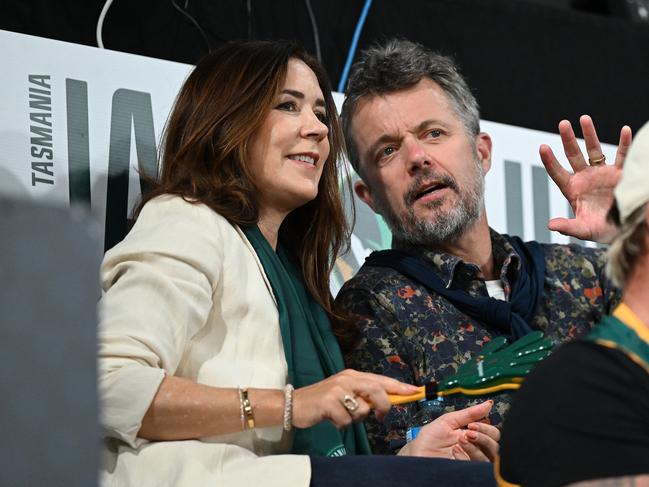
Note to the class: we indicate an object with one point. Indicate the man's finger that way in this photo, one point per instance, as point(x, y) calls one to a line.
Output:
point(623, 146)
point(555, 170)
point(570, 227)
point(571, 147)
point(593, 147)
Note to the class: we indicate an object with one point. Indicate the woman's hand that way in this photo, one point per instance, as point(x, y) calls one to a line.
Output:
point(446, 438)
point(479, 442)
point(589, 189)
point(345, 397)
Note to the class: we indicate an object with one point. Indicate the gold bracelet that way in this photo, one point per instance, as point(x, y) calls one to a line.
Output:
point(247, 408)
point(241, 414)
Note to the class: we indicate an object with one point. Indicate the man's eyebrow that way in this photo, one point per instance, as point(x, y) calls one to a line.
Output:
point(300, 96)
point(427, 123)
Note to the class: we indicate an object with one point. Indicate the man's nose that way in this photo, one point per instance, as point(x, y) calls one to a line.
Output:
point(417, 157)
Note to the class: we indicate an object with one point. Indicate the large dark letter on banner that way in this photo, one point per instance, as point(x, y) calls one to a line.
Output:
point(129, 107)
point(78, 146)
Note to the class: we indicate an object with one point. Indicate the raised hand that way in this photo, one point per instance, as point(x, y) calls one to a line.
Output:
point(589, 189)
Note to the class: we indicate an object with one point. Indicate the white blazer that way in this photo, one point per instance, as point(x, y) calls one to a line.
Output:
point(185, 294)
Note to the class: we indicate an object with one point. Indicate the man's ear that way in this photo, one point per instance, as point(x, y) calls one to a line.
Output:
point(364, 194)
point(483, 146)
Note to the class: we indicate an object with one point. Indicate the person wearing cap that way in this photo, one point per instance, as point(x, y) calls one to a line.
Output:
point(592, 395)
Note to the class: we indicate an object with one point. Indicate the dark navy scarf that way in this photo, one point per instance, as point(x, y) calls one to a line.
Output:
point(511, 318)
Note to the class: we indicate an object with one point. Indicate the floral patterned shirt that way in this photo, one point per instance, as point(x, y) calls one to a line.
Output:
point(418, 337)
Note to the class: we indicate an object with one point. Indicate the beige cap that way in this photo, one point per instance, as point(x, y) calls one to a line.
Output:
point(633, 189)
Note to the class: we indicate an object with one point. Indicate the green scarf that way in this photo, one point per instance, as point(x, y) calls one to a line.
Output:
point(612, 332)
point(312, 352)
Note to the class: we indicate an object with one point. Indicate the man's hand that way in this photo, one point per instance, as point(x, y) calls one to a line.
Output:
point(589, 189)
point(446, 438)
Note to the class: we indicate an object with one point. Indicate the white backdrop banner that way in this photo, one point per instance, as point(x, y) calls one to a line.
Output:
point(78, 124)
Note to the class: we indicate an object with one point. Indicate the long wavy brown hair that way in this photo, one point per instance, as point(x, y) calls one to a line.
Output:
point(221, 105)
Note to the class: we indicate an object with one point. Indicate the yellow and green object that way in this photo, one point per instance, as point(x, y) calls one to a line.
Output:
point(498, 367)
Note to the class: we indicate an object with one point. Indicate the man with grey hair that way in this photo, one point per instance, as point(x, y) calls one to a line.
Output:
point(451, 284)
point(600, 384)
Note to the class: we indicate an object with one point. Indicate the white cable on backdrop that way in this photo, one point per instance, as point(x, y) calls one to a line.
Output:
point(100, 23)
point(76, 124)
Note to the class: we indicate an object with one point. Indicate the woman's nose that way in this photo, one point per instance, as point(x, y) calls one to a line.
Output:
point(315, 127)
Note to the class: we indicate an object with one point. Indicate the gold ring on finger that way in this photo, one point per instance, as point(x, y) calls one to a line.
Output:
point(597, 162)
point(350, 403)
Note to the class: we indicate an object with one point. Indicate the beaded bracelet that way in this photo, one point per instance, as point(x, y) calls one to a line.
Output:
point(288, 407)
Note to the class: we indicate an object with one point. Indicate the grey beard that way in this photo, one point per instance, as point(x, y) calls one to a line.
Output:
point(440, 228)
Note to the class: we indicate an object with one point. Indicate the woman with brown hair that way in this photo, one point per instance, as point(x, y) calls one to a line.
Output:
point(216, 350)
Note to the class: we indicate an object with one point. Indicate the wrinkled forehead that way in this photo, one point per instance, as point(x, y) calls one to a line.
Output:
point(398, 112)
